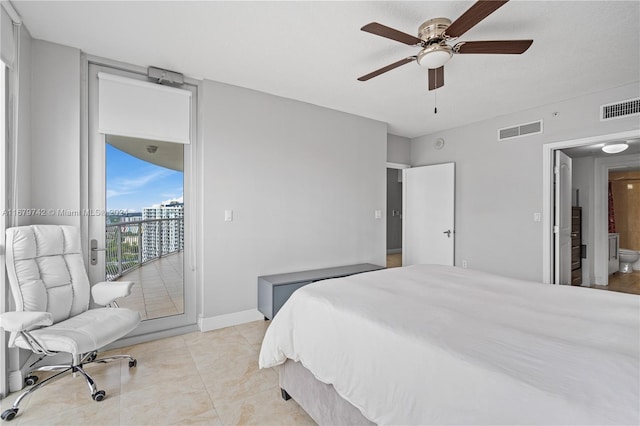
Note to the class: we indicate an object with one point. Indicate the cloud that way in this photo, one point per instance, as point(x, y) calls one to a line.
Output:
point(179, 199)
point(125, 186)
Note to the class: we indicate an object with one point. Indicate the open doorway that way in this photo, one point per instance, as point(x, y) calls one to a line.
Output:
point(145, 223)
point(589, 194)
point(394, 214)
point(140, 180)
point(394, 218)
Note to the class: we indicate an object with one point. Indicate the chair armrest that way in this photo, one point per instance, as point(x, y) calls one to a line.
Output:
point(22, 321)
point(106, 292)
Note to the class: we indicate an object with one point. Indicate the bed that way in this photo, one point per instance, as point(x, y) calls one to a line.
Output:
point(430, 344)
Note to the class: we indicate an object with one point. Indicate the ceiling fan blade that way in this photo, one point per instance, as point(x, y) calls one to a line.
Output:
point(436, 78)
point(476, 13)
point(500, 46)
point(388, 32)
point(387, 68)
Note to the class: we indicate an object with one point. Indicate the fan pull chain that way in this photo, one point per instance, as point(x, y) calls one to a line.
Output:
point(435, 102)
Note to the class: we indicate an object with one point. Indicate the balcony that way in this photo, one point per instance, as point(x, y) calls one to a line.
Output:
point(149, 252)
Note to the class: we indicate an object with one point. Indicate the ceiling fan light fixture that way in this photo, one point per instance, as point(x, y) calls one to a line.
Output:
point(614, 148)
point(434, 56)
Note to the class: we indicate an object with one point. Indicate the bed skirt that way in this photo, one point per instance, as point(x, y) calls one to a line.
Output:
point(319, 400)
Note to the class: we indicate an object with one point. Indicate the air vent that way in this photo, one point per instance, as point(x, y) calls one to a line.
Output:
point(623, 109)
point(520, 130)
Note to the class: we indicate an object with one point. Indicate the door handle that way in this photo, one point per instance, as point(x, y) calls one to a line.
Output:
point(448, 232)
point(94, 251)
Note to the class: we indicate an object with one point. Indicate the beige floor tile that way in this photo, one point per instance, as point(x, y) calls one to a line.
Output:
point(174, 403)
point(67, 394)
point(263, 408)
point(106, 412)
point(158, 369)
point(198, 378)
point(237, 377)
point(175, 343)
point(253, 331)
point(216, 351)
point(222, 335)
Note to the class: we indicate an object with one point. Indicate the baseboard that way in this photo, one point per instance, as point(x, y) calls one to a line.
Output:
point(228, 320)
point(16, 377)
point(394, 251)
point(16, 381)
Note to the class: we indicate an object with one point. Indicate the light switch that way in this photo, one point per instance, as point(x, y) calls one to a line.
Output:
point(228, 215)
point(536, 217)
point(378, 214)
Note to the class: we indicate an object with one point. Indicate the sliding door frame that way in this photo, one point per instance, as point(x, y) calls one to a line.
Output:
point(167, 326)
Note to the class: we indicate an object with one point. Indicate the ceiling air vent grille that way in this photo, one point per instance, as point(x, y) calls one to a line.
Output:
point(622, 109)
point(520, 130)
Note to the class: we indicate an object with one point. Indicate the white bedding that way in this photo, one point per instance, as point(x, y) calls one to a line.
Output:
point(429, 344)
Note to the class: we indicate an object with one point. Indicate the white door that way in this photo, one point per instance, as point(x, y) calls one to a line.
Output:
point(562, 222)
point(428, 215)
point(151, 246)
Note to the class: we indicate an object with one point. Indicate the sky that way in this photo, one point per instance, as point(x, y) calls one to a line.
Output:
point(133, 184)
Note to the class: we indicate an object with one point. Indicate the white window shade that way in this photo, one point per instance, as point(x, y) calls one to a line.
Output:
point(134, 108)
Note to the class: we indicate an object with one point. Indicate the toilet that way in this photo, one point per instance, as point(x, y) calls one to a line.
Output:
point(629, 260)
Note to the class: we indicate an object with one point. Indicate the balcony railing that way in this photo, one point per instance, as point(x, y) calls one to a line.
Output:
point(131, 244)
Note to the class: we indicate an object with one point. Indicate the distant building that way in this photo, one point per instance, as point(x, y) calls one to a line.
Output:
point(163, 235)
point(124, 217)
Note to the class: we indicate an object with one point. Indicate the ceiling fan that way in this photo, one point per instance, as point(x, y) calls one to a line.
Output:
point(434, 36)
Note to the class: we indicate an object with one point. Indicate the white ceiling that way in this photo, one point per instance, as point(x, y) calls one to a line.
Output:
point(315, 51)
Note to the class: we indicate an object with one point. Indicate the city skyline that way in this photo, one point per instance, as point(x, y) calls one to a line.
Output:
point(133, 184)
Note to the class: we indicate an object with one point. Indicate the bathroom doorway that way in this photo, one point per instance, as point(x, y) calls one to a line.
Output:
point(624, 223)
point(593, 211)
point(599, 248)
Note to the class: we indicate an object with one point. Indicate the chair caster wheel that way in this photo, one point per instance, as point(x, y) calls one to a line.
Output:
point(30, 380)
point(9, 414)
point(99, 396)
point(133, 363)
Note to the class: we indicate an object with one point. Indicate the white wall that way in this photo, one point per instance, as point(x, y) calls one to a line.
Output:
point(398, 149)
point(499, 184)
point(303, 183)
point(55, 131)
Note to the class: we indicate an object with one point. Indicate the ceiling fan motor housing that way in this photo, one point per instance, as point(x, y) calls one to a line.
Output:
point(435, 52)
point(432, 31)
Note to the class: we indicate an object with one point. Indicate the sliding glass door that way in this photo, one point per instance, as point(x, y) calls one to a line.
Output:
point(139, 210)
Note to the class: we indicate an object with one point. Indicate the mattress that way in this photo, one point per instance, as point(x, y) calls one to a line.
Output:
point(430, 344)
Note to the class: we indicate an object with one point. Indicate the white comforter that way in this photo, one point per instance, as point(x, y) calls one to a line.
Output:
point(430, 344)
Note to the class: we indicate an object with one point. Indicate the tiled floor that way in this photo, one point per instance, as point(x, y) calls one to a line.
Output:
point(158, 290)
point(199, 378)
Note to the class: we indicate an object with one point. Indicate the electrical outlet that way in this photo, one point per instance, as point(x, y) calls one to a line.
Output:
point(464, 264)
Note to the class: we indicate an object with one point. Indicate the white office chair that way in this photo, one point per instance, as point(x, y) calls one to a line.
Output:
point(51, 291)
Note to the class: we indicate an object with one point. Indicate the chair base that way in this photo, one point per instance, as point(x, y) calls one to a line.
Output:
point(89, 358)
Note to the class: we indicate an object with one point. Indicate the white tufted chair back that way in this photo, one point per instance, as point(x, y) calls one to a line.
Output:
point(46, 270)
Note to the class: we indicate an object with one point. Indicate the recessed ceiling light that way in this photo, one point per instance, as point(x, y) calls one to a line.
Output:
point(614, 148)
